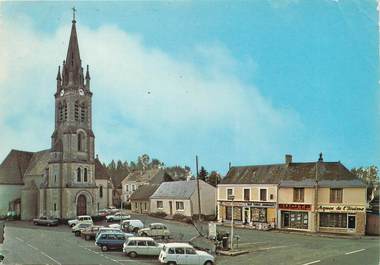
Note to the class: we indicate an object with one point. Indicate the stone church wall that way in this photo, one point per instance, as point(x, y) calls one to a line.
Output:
point(8, 193)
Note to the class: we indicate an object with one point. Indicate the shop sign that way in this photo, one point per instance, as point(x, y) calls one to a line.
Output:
point(290, 206)
point(340, 208)
point(250, 204)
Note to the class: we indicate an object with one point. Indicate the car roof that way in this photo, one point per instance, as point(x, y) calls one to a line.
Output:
point(140, 238)
point(113, 232)
point(157, 224)
point(80, 216)
point(176, 245)
point(132, 220)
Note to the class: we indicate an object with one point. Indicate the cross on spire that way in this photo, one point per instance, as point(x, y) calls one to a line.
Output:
point(74, 10)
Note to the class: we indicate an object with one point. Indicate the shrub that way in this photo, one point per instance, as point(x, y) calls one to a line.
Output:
point(179, 217)
point(158, 214)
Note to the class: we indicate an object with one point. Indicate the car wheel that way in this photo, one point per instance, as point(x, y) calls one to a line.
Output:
point(171, 263)
point(135, 230)
point(35, 223)
point(110, 220)
point(132, 254)
point(48, 224)
point(87, 238)
point(77, 233)
point(144, 234)
point(104, 248)
point(209, 262)
point(72, 225)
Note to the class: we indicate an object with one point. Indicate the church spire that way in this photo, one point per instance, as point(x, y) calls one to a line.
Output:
point(73, 63)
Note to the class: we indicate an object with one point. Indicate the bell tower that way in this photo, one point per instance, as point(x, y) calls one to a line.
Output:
point(70, 179)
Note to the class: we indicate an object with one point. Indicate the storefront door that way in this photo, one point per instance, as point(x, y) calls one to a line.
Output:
point(351, 222)
point(285, 218)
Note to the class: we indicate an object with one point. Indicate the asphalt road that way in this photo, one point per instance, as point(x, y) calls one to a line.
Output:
point(29, 244)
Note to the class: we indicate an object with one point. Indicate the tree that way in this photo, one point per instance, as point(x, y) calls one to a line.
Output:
point(167, 177)
point(203, 174)
point(214, 178)
point(370, 175)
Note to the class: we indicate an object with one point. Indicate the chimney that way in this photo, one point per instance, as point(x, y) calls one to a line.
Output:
point(288, 159)
point(320, 159)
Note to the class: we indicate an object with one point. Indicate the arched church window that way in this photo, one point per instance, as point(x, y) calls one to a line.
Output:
point(85, 175)
point(80, 142)
point(79, 177)
point(101, 191)
point(76, 110)
point(83, 113)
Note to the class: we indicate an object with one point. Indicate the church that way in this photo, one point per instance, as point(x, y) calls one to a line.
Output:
point(66, 180)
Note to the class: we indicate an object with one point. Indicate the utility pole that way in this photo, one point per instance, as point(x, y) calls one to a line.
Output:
point(199, 194)
point(232, 197)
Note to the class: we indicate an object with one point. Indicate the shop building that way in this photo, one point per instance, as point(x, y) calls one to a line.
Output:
point(254, 197)
point(310, 196)
point(321, 197)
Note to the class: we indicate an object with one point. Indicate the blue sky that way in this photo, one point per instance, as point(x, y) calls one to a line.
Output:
point(242, 82)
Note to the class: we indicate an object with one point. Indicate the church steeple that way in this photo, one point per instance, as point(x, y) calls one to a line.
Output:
point(73, 72)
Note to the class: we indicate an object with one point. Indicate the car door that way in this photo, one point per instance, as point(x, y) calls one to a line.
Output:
point(152, 248)
point(120, 239)
point(191, 256)
point(180, 256)
point(142, 248)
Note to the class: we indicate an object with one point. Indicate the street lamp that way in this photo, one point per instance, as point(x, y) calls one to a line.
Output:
point(231, 198)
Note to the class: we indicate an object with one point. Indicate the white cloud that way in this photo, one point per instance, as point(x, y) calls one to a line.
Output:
point(144, 98)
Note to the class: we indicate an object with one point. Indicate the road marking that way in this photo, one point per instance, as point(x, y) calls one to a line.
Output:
point(19, 239)
point(312, 262)
point(355, 251)
point(33, 247)
point(46, 255)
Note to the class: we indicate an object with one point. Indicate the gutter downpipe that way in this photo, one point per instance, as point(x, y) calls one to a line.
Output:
point(316, 198)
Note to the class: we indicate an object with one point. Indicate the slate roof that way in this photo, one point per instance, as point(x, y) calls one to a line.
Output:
point(175, 190)
point(100, 171)
point(153, 176)
point(143, 192)
point(293, 175)
point(14, 166)
point(38, 163)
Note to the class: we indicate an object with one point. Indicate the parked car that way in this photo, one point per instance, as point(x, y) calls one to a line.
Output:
point(103, 213)
point(81, 218)
point(133, 225)
point(136, 246)
point(111, 229)
point(117, 217)
point(90, 232)
point(44, 220)
point(183, 253)
point(111, 240)
point(78, 228)
point(155, 230)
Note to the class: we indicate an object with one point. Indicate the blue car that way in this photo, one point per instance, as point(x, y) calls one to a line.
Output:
point(111, 240)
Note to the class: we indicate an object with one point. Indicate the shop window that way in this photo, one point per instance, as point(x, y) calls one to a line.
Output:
point(298, 220)
point(263, 194)
point(336, 195)
point(237, 213)
point(247, 194)
point(160, 204)
point(333, 220)
point(179, 206)
point(259, 215)
point(298, 194)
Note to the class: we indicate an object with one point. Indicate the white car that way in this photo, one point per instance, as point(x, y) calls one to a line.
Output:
point(132, 225)
point(117, 217)
point(146, 246)
point(80, 219)
point(182, 253)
